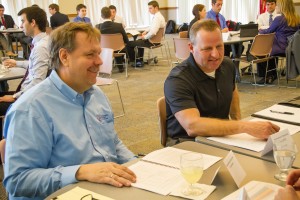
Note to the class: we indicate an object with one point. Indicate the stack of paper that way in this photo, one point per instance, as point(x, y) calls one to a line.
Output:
point(159, 171)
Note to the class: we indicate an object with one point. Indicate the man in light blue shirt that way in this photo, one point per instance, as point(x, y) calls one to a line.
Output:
point(62, 130)
point(214, 14)
point(81, 17)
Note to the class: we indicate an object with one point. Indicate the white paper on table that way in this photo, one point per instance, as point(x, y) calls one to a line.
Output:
point(208, 189)
point(170, 156)
point(155, 178)
point(247, 141)
point(235, 169)
point(77, 193)
point(256, 190)
point(133, 32)
point(295, 118)
point(226, 36)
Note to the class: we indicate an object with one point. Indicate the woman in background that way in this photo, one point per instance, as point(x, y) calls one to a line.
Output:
point(283, 26)
point(199, 11)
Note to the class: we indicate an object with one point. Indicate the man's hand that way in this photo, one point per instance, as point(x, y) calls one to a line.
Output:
point(293, 179)
point(287, 193)
point(225, 30)
point(261, 129)
point(10, 63)
point(7, 98)
point(108, 172)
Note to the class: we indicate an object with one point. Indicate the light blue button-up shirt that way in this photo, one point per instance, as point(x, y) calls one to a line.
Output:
point(51, 130)
point(212, 15)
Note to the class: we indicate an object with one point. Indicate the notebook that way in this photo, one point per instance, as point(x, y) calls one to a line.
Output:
point(248, 30)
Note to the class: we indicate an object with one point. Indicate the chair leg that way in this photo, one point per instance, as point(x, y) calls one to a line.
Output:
point(123, 114)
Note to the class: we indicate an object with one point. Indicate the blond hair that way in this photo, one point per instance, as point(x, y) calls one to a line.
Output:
point(65, 37)
point(287, 8)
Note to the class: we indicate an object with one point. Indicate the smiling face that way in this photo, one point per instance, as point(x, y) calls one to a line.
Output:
point(81, 66)
point(208, 50)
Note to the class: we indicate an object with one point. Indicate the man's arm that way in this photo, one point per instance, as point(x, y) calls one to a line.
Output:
point(155, 25)
point(39, 67)
point(195, 125)
point(235, 111)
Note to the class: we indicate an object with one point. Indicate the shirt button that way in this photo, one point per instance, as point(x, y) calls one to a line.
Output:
point(219, 90)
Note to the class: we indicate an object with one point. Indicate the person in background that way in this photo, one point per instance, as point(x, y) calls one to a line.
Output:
point(33, 23)
point(81, 14)
point(265, 20)
point(214, 14)
point(158, 21)
point(291, 190)
point(109, 27)
point(283, 26)
point(199, 11)
point(116, 18)
point(198, 103)
point(57, 19)
point(62, 131)
point(6, 21)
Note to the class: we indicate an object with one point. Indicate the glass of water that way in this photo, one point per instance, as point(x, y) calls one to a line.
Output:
point(284, 155)
point(191, 168)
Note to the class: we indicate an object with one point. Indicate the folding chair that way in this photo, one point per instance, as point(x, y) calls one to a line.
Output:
point(106, 69)
point(115, 42)
point(181, 48)
point(162, 117)
point(260, 50)
point(157, 42)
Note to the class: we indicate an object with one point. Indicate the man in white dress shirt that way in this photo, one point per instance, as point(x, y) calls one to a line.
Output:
point(265, 20)
point(116, 18)
point(158, 22)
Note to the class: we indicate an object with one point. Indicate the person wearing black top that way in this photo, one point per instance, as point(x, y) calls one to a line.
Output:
point(57, 19)
point(199, 11)
point(201, 94)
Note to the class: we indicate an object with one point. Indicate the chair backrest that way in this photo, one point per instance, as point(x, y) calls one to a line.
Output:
point(112, 41)
point(183, 34)
point(2, 149)
point(262, 45)
point(158, 37)
point(107, 58)
point(162, 117)
point(181, 47)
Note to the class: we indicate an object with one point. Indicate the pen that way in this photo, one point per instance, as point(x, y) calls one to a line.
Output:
point(279, 112)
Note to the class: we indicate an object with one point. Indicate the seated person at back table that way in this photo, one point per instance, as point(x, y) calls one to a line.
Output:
point(158, 21)
point(283, 26)
point(34, 25)
point(199, 11)
point(116, 18)
point(292, 188)
point(81, 17)
point(265, 19)
point(62, 131)
point(198, 102)
point(109, 27)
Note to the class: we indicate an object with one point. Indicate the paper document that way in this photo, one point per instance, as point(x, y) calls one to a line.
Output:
point(235, 169)
point(256, 190)
point(286, 114)
point(133, 32)
point(77, 193)
point(170, 156)
point(155, 178)
point(247, 141)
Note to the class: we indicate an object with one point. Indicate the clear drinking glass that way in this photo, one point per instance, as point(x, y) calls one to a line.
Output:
point(191, 167)
point(284, 155)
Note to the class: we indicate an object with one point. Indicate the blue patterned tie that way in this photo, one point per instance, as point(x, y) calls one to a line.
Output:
point(270, 19)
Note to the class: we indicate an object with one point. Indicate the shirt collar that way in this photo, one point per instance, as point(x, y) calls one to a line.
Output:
point(202, 76)
point(38, 37)
point(65, 89)
point(107, 20)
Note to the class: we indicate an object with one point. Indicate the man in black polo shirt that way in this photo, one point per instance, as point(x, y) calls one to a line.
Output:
point(201, 93)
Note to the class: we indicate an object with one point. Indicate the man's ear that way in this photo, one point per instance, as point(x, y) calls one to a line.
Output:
point(63, 56)
point(191, 47)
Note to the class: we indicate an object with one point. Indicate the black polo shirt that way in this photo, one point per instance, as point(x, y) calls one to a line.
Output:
point(187, 86)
